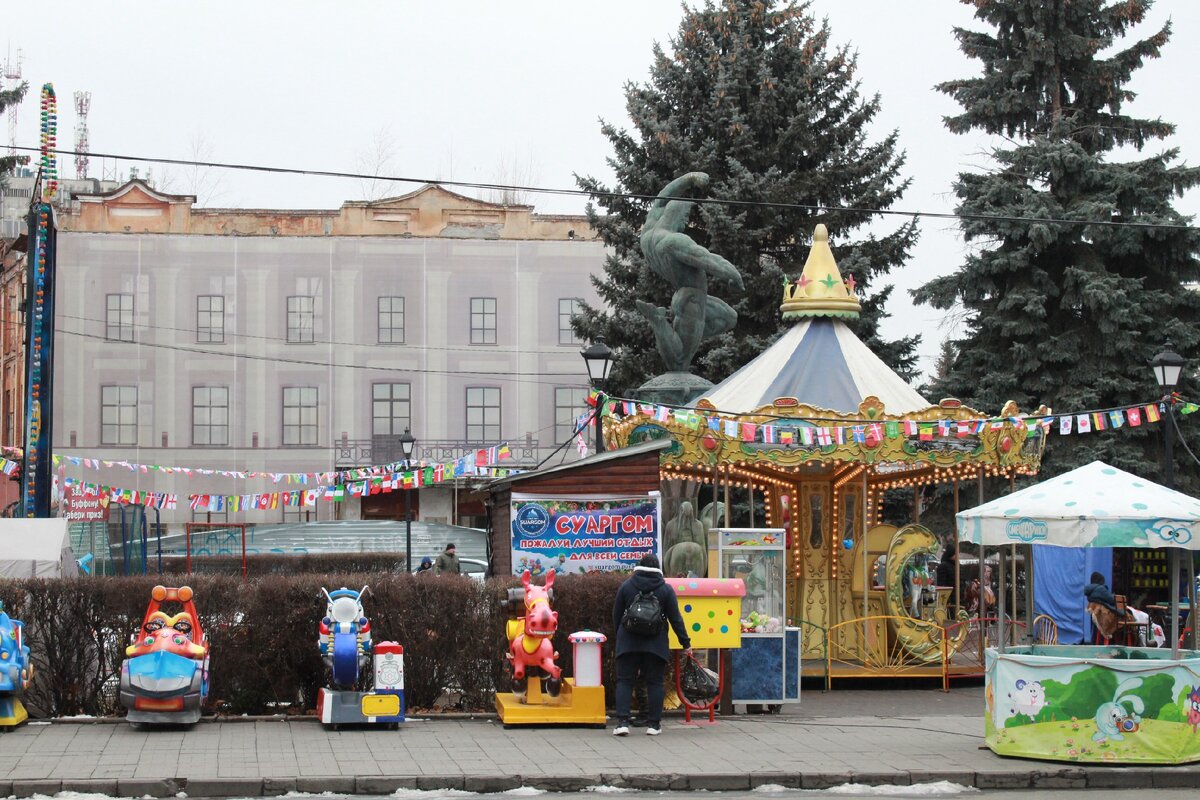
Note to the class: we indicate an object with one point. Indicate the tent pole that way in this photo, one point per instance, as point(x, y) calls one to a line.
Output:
point(1030, 611)
point(1191, 592)
point(1000, 598)
point(1173, 562)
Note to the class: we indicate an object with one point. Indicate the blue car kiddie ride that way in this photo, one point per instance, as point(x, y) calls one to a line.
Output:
point(346, 647)
point(15, 671)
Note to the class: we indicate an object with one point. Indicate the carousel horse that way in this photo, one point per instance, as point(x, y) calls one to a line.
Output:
point(529, 640)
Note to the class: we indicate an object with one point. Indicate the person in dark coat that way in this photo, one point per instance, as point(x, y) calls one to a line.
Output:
point(645, 657)
point(1097, 591)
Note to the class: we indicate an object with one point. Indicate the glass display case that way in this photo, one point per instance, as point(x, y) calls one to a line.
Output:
point(766, 668)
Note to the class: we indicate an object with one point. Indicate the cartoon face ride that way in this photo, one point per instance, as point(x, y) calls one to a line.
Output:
point(164, 679)
point(1113, 720)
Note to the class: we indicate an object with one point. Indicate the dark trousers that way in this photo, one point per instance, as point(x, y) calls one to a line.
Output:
point(649, 668)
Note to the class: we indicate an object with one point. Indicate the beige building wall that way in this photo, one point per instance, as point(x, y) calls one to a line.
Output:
point(435, 249)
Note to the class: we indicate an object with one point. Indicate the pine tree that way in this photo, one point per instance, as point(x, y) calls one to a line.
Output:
point(753, 93)
point(7, 98)
point(1068, 314)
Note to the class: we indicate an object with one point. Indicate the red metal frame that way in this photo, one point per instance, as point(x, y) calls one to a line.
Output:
point(711, 707)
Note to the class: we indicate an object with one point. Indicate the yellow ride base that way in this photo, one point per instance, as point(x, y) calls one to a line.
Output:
point(12, 713)
point(575, 705)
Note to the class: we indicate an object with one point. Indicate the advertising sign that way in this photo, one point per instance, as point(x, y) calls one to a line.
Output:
point(85, 508)
point(583, 534)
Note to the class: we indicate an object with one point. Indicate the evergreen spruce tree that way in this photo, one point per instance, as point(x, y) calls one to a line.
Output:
point(1069, 314)
point(7, 98)
point(753, 93)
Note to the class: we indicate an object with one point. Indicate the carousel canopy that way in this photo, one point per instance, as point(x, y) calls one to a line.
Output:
point(821, 363)
point(1093, 506)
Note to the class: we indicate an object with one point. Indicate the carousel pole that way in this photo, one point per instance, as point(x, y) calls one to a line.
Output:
point(862, 546)
point(957, 555)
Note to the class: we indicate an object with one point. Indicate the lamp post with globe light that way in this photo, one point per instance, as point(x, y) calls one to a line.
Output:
point(1168, 366)
point(599, 359)
point(407, 443)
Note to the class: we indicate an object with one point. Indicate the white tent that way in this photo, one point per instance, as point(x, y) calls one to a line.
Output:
point(36, 548)
point(1093, 506)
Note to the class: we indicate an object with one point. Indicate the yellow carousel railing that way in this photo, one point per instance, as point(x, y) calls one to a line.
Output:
point(892, 646)
point(814, 637)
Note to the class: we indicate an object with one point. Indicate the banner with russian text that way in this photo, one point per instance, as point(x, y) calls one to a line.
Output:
point(583, 534)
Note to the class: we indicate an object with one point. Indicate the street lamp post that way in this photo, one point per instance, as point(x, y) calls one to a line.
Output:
point(1167, 366)
point(407, 443)
point(598, 358)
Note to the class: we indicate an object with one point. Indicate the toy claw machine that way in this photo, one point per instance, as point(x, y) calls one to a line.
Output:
point(766, 668)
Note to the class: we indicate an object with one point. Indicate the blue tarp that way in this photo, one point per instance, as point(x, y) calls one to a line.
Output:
point(1060, 574)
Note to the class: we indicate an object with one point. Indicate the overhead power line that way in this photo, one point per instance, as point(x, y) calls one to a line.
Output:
point(501, 187)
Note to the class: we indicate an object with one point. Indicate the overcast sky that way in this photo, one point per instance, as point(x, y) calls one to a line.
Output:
point(478, 90)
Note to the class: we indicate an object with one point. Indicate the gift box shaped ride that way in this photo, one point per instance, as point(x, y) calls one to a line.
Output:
point(164, 679)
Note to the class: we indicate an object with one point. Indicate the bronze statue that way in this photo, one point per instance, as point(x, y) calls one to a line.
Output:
point(686, 545)
point(675, 256)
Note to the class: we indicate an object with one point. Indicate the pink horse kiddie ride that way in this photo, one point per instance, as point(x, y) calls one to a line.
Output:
point(550, 699)
point(530, 640)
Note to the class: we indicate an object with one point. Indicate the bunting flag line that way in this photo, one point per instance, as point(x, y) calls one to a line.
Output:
point(480, 458)
point(805, 431)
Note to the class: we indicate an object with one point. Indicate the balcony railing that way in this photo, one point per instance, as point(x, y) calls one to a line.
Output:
point(526, 453)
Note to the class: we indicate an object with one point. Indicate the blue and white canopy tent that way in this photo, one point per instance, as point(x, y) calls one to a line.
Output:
point(1093, 506)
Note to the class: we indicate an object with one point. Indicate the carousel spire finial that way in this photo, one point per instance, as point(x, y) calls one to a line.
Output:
point(820, 290)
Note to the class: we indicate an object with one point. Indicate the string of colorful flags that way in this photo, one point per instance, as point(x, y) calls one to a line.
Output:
point(480, 458)
point(806, 432)
point(330, 486)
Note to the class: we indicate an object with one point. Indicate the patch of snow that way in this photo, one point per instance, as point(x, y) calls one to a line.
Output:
point(524, 791)
point(428, 793)
point(938, 788)
point(771, 788)
point(605, 789)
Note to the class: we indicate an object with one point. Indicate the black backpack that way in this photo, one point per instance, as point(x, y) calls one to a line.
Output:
point(644, 616)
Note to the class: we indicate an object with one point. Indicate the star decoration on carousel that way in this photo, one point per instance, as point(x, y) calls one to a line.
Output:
point(851, 283)
point(829, 281)
point(802, 281)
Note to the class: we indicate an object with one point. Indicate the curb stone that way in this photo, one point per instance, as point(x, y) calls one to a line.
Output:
point(788, 780)
point(1068, 778)
point(560, 783)
point(224, 787)
point(383, 784)
point(489, 784)
point(881, 778)
point(718, 782)
point(273, 787)
point(6, 788)
point(1120, 778)
point(106, 786)
point(652, 782)
point(153, 787)
point(823, 780)
point(441, 782)
point(29, 788)
point(1176, 778)
point(338, 784)
point(995, 779)
point(962, 778)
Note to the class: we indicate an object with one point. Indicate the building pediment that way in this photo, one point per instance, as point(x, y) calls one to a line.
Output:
point(432, 194)
point(136, 193)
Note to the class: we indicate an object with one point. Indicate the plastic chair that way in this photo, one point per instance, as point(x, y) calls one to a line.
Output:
point(1134, 633)
point(1045, 630)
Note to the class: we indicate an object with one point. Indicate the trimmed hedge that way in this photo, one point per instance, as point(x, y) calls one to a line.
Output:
point(264, 635)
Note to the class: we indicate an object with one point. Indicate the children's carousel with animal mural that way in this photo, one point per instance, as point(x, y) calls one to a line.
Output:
point(805, 439)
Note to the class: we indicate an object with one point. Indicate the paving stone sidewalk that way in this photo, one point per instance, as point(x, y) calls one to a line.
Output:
point(870, 737)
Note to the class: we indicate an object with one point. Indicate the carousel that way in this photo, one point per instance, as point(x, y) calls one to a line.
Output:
point(807, 437)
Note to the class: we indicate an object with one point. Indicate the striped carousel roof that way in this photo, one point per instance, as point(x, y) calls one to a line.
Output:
point(821, 363)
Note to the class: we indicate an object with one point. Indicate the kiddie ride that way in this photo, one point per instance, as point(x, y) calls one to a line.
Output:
point(346, 646)
point(164, 679)
point(15, 671)
point(550, 699)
